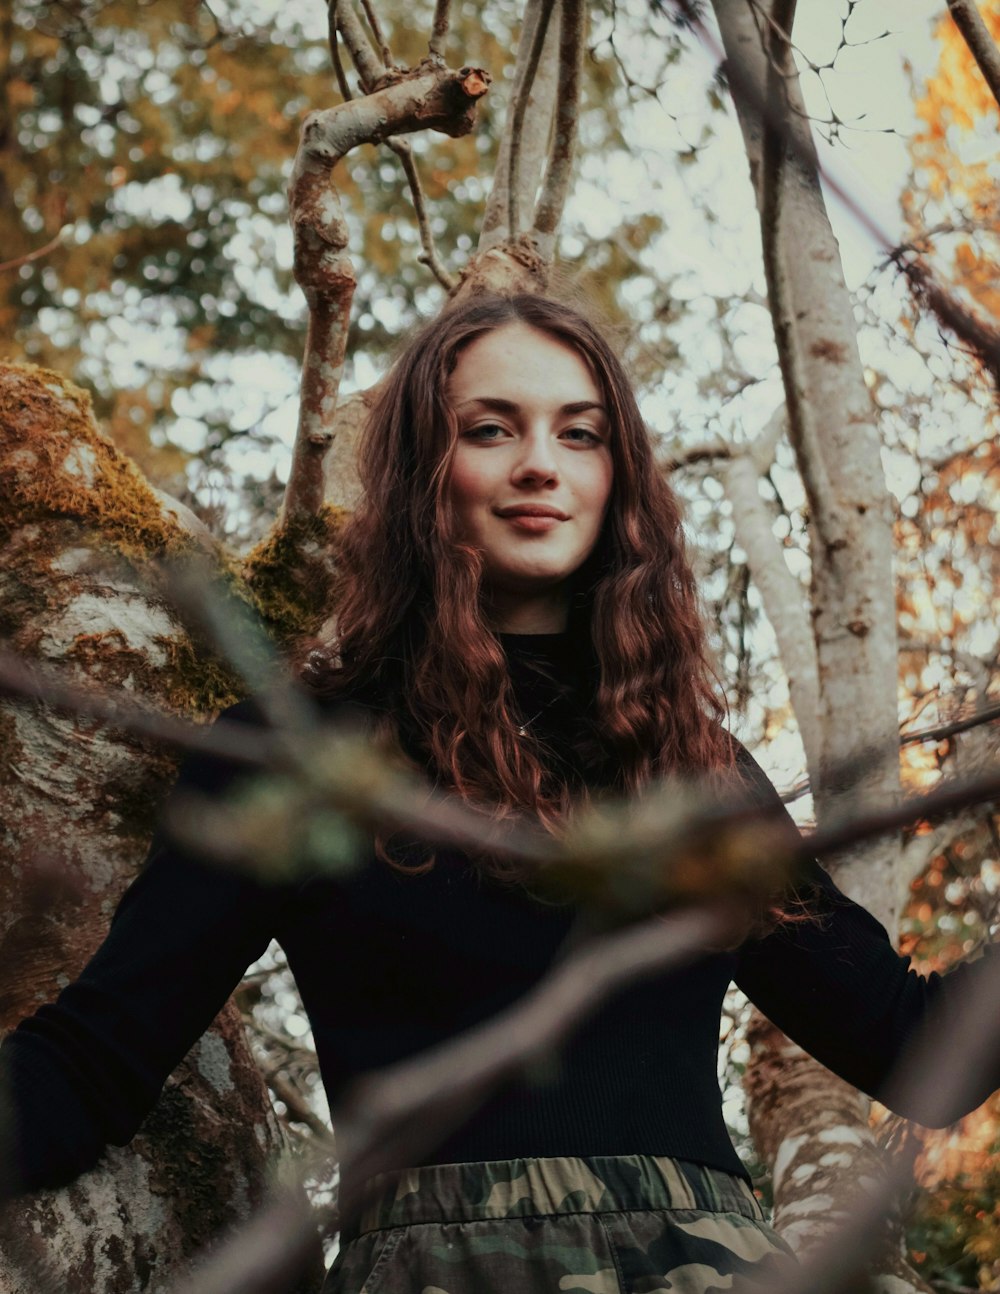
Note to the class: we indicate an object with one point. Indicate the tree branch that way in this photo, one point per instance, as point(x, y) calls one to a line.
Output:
point(376, 30)
point(981, 45)
point(369, 66)
point(439, 31)
point(981, 336)
point(429, 255)
point(429, 98)
point(777, 127)
point(533, 136)
point(552, 200)
point(335, 59)
point(781, 593)
point(518, 109)
point(39, 252)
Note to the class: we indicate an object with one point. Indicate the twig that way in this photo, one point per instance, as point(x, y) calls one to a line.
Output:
point(264, 1256)
point(555, 188)
point(226, 741)
point(39, 252)
point(942, 731)
point(979, 334)
point(434, 817)
point(939, 732)
point(367, 63)
point(851, 830)
point(532, 137)
point(376, 30)
point(405, 804)
point(439, 31)
point(298, 1108)
point(335, 59)
point(981, 45)
point(517, 113)
point(429, 255)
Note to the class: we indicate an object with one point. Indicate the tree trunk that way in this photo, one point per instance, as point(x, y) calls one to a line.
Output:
point(79, 537)
point(807, 1125)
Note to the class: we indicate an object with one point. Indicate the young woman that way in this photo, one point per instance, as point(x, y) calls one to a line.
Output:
point(517, 617)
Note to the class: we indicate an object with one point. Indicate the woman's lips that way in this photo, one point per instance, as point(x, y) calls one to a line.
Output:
point(533, 519)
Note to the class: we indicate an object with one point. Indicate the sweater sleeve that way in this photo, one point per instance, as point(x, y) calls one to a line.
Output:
point(834, 983)
point(85, 1070)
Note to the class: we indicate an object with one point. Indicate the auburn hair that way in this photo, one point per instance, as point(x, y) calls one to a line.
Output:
point(412, 634)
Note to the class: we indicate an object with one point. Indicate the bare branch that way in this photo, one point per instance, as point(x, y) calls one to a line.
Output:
point(548, 212)
point(518, 109)
point(439, 32)
point(981, 44)
point(376, 30)
point(335, 59)
point(774, 157)
point(941, 731)
point(781, 594)
point(298, 1108)
point(429, 255)
point(39, 252)
point(435, 99)
point(367, 63)
point(982, 338)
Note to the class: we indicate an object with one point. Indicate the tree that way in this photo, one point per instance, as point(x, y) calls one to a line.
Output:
point(83, 534)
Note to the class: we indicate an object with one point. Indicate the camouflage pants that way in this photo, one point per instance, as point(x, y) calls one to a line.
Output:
point(624, 1225)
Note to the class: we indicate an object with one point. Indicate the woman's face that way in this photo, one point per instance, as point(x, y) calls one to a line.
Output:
point(531, 476)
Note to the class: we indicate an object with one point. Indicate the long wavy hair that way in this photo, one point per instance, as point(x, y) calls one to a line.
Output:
point(412, 628)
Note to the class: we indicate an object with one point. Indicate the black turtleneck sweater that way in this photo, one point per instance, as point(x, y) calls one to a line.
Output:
point(389, 964)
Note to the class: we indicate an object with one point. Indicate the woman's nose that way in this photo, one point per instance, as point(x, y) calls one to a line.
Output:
point(536, 461)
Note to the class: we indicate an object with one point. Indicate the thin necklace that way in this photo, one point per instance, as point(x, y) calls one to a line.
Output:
point(525, 724)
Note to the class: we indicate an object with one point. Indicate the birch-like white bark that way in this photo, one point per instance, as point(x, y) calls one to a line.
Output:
point(838, 453)
point(782, 595)
point(791, 1099)
point(535, 130)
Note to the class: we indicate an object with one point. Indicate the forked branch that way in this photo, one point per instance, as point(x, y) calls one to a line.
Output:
point(525, 132)
point(431, 97)
point(367, 63)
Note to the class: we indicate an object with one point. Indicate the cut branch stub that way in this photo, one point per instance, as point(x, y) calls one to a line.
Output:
point(428, 98)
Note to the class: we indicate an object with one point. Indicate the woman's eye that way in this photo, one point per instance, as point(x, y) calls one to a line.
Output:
point(582, 435)
point(485, 431)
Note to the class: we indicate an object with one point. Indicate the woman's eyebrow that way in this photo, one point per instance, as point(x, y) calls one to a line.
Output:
point(498, 405)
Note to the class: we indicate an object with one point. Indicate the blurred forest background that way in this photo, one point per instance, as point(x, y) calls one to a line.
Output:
point(145, 150)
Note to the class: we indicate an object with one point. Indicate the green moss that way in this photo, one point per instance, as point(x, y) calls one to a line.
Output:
point(65, 486)
point(291, 574)
point(54, 462)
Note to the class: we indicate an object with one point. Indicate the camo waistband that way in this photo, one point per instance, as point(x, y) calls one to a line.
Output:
point(545, 1187)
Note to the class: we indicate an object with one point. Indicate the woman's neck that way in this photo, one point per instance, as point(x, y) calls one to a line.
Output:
point(543, 613)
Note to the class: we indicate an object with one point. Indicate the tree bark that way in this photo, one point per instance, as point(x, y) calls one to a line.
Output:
point(80, 534)
point(852, 606)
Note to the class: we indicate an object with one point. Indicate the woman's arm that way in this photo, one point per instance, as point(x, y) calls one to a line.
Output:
point(834, 984)
point(85, 1070)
